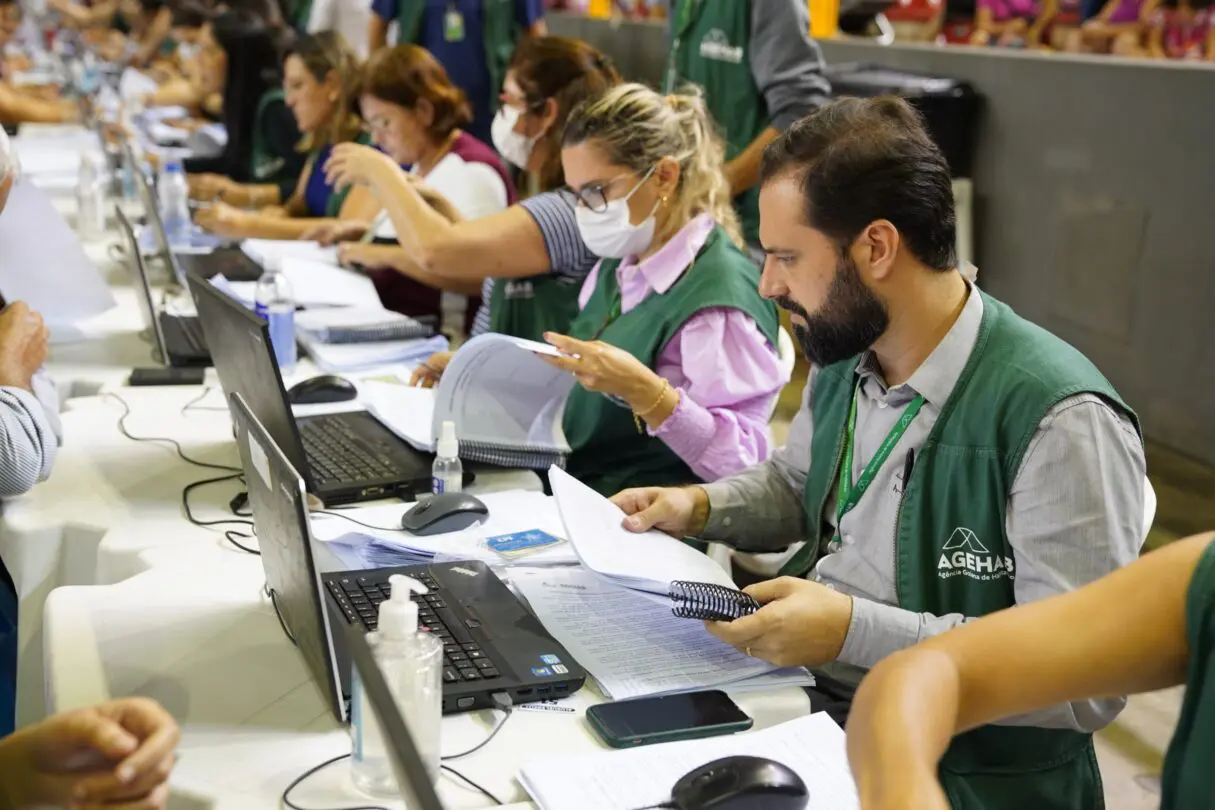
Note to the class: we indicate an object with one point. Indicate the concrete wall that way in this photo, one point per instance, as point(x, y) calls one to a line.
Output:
point(1095, 196)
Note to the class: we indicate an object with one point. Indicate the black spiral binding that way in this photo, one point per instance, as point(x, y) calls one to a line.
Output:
point(710, 603)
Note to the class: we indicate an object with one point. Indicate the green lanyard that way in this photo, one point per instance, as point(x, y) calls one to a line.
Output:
point(849, 495)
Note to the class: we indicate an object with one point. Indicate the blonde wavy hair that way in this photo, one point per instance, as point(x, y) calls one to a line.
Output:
point(637, 127)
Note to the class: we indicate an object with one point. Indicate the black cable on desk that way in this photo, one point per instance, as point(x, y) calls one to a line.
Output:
point(473, 784)
point(122, 428)
point(357, 522)
point(503, 702)
point(229, 534)
point(312, 771)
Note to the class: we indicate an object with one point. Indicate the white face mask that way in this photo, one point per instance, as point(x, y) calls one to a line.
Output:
point(516, 148)
point(610, 234)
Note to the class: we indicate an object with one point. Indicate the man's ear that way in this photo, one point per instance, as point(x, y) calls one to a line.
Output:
point(882, 240)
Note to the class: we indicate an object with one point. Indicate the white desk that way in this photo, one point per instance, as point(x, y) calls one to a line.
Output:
point(203, 640)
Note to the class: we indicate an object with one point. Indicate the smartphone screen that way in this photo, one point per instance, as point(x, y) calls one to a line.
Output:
point(651, 716)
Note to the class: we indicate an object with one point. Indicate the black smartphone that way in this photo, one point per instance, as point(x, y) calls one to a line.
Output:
point(627, 723)
point(162, 375)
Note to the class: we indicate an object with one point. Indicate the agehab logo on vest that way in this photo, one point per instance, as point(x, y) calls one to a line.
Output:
point(963, 555)
point(716, 46)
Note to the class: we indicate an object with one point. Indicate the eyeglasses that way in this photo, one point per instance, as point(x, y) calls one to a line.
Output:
point(594, 195)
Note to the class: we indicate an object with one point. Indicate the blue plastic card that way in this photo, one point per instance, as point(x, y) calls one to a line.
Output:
point(521, 544)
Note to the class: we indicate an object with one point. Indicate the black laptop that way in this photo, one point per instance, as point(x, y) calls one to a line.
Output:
point(413, 780)
point(228, 261)
point(492, 643)
point(179, 339)
point(345, 457)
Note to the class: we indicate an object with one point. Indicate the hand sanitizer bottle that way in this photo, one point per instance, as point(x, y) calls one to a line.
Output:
point(447, 474)
point(412, 663)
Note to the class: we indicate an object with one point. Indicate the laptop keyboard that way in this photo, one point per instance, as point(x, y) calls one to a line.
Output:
point(337, 455)
point(359, 597)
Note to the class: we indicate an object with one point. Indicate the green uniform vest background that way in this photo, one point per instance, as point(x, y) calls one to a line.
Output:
point(538, 304)
point(1186, 783)
point(263, 166)
point(498, 28)
point(961, 480)
point(609, 452)
point(737, 105)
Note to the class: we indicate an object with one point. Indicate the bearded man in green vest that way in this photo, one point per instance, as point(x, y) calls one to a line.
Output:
point(950, 458)
point(760, 72)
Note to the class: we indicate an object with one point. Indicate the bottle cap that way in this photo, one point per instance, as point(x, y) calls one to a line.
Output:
point(449, 446)
point(399, 613)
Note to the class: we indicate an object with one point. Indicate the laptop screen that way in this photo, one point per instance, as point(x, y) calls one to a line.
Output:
point(151, 208)
point(143, 288)
point(239, 342)
point(415, 783)
point(280, 518)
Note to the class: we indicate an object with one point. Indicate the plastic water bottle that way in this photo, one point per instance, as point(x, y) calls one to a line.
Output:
point(412, 663)
point(90, 198)
point(174, 197)
point(276, 304)
point(447, 474)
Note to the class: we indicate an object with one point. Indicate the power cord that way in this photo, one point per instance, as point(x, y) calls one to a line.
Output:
point(473, 784)
point(192, 405)
point(122, 428)
point(502, 702)
point(331, 513)
point(229, 534)
point(313, 771)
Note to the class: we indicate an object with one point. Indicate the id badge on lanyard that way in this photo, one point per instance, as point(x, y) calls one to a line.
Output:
point(453, 24)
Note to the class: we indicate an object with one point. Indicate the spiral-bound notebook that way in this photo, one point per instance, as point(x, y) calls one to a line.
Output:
point(506, 403)
point(360, 325)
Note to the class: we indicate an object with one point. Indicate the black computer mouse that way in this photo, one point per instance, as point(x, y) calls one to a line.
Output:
point(741, 783)
point(318, 390)
point(449, 512)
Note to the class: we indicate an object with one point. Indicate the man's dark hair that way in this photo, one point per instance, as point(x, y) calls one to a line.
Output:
point(862, 160)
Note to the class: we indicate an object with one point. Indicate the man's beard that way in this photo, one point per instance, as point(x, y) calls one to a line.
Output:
point(849, 321)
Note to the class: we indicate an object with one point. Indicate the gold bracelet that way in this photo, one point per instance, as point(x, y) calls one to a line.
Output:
point(639, 415)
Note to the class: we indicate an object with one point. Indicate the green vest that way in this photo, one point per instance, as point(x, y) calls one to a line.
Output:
point(529, 307)
point(951, 553)
point(264, 166)
point(1186, 783)
point(499, 31)
point(710, 48)
point(301, 12)
point(610, 453)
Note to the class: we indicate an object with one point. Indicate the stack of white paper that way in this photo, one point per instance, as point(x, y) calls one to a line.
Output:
point(262, 250)
point(812, 746)
point(134, 84)
point(345, 357)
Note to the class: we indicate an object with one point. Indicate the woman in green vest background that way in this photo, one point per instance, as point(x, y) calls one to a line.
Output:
point(674, 349)
point(260, 164)
point(318, 74)
point(760, 72)
point(1104, 639)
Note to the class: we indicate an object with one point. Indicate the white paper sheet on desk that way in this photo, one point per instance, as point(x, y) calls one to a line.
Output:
point(134, 84)
point(344, 357)
point(633, 645)
point(166, 135)
point(647, 562)
point(316, 284)
point(262, 250)
point(42, 262)
point(813, 746)
point(509, 512)
point(405, 410)
point(55, 157)
point(166, 113)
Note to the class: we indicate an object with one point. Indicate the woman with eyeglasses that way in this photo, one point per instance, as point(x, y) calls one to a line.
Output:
point(530, 258)
point(317, 75)
point(416, 116)
point(674, 349)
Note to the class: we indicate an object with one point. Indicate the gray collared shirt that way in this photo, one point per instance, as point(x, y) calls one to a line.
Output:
point(1075, 512)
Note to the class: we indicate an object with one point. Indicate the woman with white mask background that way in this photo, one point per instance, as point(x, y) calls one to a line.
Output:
point(674, 349)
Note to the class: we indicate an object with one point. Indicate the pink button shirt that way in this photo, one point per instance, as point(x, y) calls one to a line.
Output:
point(727, 374)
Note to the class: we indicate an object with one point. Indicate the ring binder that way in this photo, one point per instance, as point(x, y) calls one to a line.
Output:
point(709, 602)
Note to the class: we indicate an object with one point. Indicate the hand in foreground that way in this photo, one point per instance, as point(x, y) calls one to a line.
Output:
point(679, 511)
point(222, 219)
point(801, 623)
point(117, 754)
point(209, 187)
point(351, 164)
point(427, 375)
point(602, 367)
point(330, 233)
point(23, 337)
point(368, 257)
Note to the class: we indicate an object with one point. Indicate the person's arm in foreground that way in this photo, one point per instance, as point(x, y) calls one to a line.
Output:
point(788, 70)
point(1101, 640)
point(154, 37)
point(117, 754)
point(392, 257)
point(17, 108)
point(29, 440)
point(508, 244)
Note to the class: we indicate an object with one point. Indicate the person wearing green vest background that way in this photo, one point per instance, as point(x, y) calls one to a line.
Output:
point(260, 164)
point(473, 40)
point(950, 458)
point(317, 77)
point(760, 72)
point(674, 350)
point(1104, 639)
